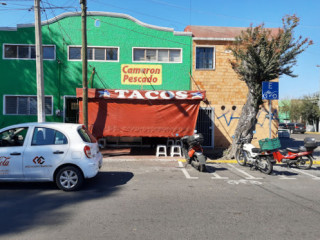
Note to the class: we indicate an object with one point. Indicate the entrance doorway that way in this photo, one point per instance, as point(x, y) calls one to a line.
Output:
point(71, 110)
point(205, 126)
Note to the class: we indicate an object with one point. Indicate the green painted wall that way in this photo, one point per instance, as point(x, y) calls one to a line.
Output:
point(62, 77)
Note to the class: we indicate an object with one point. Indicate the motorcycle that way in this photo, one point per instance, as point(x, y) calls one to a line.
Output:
point(255, 157)
point(300, 157)
point(193, 151)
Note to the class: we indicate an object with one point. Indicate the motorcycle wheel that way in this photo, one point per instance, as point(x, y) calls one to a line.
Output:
point(202, 167)
point(264, 164)
point(241, 157)
point(304, 162)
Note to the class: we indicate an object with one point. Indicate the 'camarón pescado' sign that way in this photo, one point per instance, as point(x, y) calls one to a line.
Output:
point(143, 94)
point(141, 74)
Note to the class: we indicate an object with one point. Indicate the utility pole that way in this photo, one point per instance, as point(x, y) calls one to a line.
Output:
point(84, 61)
point(39, 63)
point(319, 105)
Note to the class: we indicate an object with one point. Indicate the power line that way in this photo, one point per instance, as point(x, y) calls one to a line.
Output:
point(148, 15)
point(61, 28)
point(168, 20)
point(145, 34)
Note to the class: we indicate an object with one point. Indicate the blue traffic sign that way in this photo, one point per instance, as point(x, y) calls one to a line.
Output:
point(270, 90)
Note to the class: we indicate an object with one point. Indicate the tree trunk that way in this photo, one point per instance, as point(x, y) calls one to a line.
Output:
point(246, 124)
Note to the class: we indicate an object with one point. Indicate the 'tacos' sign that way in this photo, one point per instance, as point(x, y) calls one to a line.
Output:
point(143, 94)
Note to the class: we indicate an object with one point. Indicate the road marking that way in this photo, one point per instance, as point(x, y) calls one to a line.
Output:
point(282, 177)
point(186, 174)
point(243, 172)
point(308, 174)
point(244, 181)
point(217, 176)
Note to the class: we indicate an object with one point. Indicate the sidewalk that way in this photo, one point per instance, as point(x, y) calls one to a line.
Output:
point(146, 154)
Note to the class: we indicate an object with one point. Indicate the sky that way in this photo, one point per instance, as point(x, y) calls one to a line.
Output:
point(178, 14)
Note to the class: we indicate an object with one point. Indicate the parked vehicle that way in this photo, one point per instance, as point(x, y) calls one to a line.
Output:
point(193, 151)
point(283, 133)
point(296, 127)
point(248, 154)
point(300, 157)
point(60, 152)
point(283, 126)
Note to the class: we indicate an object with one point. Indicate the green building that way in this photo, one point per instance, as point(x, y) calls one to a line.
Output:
point(118, 45)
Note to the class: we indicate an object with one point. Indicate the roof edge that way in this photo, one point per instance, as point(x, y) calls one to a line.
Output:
point(97, 13)
point(8, 29)
point(213, 39)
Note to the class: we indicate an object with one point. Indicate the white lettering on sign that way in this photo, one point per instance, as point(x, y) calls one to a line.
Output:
point(167, 95)
point(121, 93)
point(181, 95)
point(152, 94)
point(136, 95)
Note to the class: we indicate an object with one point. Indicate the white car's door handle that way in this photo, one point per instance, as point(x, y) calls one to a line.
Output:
point(15, 153)
point(58, 152)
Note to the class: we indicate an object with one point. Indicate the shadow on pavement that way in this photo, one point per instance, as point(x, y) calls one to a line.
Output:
point(214, 168)
point(24, 206)
point(283, 172)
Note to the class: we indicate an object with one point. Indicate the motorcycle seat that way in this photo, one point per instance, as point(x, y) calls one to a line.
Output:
point(293, 150)
point(256, 150)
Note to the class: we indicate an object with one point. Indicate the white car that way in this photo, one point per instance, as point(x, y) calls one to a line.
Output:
point(60, 152)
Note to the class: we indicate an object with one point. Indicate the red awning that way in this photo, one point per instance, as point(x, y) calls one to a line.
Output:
point(137, 113)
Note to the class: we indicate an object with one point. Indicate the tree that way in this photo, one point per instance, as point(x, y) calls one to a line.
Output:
point(284, 107)
point(262, 55)
point(310, 112)
point(295, 110)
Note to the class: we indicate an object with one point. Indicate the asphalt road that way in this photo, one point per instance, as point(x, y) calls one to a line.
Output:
point(163, 200)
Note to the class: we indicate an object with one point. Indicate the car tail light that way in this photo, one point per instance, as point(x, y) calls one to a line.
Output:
point(87, 151)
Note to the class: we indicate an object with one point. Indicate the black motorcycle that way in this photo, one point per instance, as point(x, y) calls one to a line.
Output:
point(193, 151)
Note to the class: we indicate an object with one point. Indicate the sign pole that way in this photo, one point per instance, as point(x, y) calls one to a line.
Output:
point(270, 119)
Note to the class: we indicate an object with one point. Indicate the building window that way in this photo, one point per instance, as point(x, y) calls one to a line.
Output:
point(106, 54)
point(157, 55)
point(205, 58)
point(23, 51)
point(25, 105)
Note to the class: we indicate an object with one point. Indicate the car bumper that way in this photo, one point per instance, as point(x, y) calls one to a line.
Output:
point(93, 167)
point(299, 131)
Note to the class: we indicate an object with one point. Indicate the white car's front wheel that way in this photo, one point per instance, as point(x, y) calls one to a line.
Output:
point(69, 179)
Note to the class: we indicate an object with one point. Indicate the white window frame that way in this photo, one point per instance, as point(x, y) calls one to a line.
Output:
point(10, 95)
point(157, 48)
point(213, 58)
point(30, 45)
point(103, 47)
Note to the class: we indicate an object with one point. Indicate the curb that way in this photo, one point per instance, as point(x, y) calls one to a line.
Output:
point(315, 162)
point(171, 159)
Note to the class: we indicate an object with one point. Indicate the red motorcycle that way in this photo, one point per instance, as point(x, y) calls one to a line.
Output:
point(300, 157)
point(193, 151)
